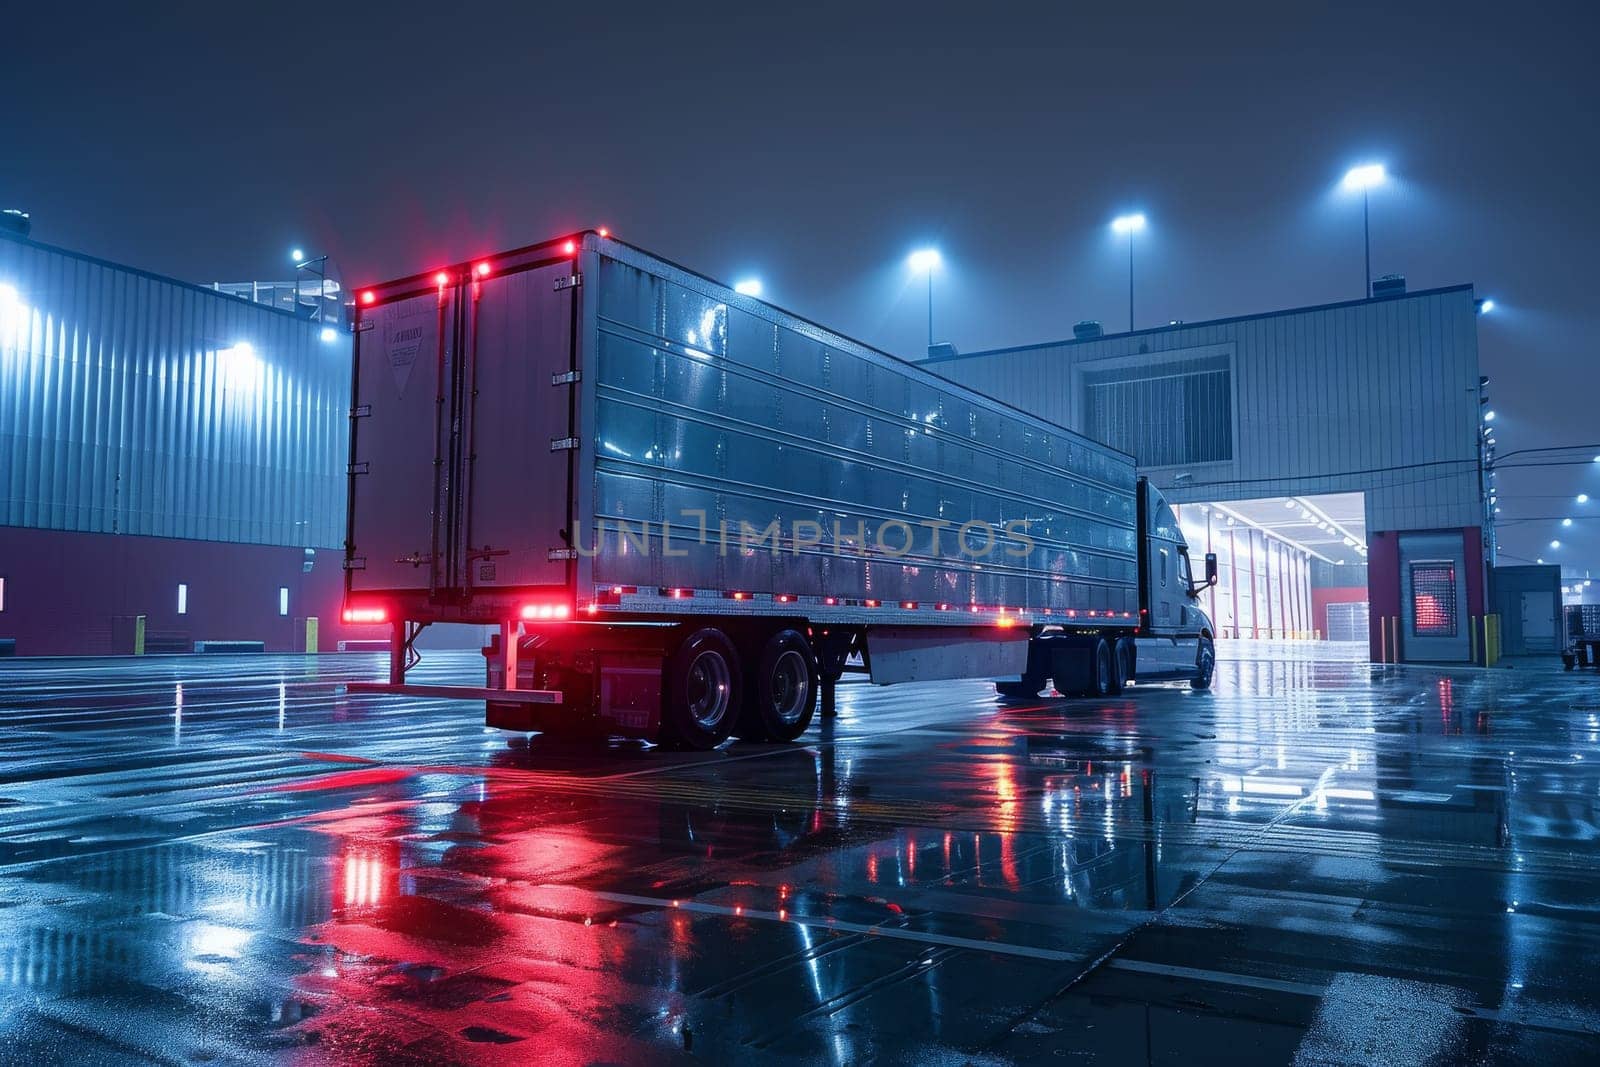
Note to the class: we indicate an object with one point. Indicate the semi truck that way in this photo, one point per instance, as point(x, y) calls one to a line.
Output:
point(689, 512)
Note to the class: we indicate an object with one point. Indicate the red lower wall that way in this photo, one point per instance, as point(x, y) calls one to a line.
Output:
point(76, 593)
point(1321, 598)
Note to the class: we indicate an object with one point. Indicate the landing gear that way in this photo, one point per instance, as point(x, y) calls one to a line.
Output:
point(833, 648)
point(1205, 664)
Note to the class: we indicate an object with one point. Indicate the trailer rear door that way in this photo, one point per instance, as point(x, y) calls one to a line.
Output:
point(521, 428)
point(465, 436)
point(405, 358)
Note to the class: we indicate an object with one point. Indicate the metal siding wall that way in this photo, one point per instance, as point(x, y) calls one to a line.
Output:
point(116, 415)
point(1321, 394)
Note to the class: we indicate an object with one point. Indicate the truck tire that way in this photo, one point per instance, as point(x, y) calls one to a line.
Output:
point(1121, 665)
point(703, 692)
point(1205, 665)
point(781, 697)
point(1102, 669)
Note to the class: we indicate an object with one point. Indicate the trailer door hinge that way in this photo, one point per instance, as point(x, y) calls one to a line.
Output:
point(570, 281)
point(361, 411)
point(363, 327)
point(356, 563)
point(561, 553)
point(359, 468)
point(562, 444)
point(566, 377)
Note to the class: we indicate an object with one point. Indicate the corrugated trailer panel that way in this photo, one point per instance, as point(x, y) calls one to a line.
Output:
point(709, 403)
point(128, 406)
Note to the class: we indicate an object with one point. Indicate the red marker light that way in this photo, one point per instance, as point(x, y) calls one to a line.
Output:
point(360, 615)
point(871, 603)
point(545, 611)
point(603, 232)
point(570, 247)
point(368, 297)
point(482, 270)
point(441, 278)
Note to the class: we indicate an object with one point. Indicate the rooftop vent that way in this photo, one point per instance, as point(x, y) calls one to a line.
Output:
point(1389, 285)
point(942, 350)
point(16, 222)
point(1087, 329)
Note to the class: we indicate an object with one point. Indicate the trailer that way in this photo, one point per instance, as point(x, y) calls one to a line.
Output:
point(689, 512)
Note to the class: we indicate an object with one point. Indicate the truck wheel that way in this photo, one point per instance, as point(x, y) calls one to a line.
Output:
point(1104, 672)
point(783, 697)
point(1121, 665)
point(1205, 665)
point(702, 692)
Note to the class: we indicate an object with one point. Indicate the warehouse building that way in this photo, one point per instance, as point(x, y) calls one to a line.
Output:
point(1329, 455)
point(171, 461)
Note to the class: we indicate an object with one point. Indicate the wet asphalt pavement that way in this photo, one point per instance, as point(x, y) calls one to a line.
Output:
point(223, 859)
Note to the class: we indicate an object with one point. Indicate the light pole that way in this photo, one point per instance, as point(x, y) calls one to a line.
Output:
point(1364, 179)
point(926, 259)
point(1130, 225)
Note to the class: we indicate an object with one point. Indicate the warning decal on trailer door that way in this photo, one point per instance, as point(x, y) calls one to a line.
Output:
point(406, 334)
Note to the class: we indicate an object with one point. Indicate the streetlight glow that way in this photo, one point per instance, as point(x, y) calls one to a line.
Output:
point(329, 335)
point(1487, 306)
point(749, 287)
point(1583, 498)
point(1367, 176)
point(1129, 225)
point(1566, 522)
point(1555, 544)
point(1363, 180)
point(298, 255)
point(1488, 416)
point(927, 259)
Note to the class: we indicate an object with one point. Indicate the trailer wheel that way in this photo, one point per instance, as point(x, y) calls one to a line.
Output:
point(1205, 665)
point(703, 692)
point(1121, 665)
point(1100, 681)
point(783, 695)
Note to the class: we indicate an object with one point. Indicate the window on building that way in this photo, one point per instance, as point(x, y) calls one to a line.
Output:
point(283, 600)
point(2, 594)
point(183, 599)
point(1166, 413)
point(1433, 598)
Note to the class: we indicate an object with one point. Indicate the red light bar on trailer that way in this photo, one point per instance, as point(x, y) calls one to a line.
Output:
point(359, 615)
point(545, 612)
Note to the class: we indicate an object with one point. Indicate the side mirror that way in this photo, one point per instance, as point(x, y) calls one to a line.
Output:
point(1211, 569)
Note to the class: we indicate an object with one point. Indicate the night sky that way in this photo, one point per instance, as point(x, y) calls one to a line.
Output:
point(816, 145)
